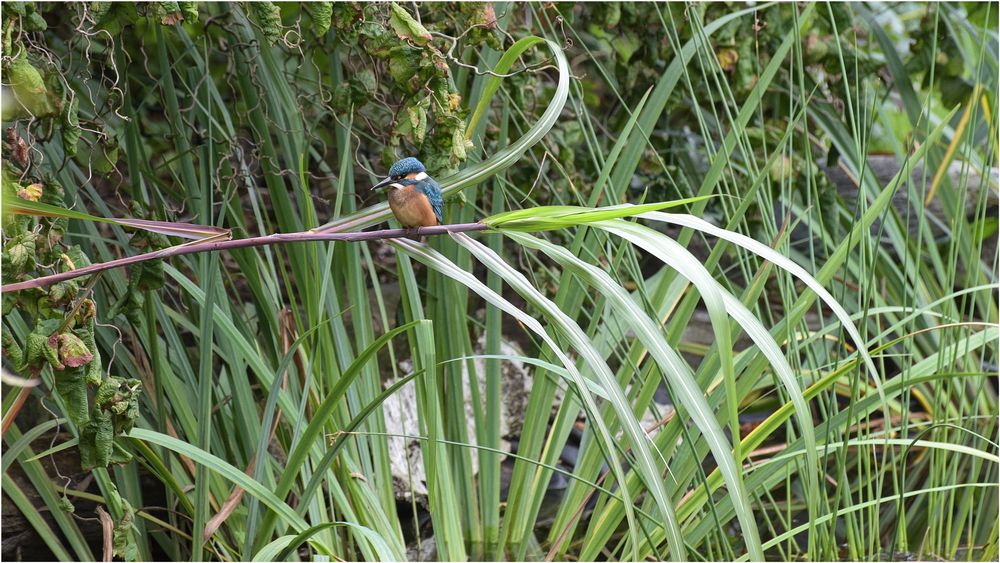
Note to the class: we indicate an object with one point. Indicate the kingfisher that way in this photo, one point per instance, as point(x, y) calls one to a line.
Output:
point(414, 197)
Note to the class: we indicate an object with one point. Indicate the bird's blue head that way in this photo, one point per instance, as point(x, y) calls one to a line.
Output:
point(400, 169)
point(408, 165)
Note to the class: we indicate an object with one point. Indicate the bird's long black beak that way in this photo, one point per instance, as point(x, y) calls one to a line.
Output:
point(382, 185)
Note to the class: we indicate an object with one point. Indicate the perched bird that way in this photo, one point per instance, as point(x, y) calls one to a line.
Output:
point(414, 197)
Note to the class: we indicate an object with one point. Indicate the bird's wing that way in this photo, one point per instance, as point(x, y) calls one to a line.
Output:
point(431, 189)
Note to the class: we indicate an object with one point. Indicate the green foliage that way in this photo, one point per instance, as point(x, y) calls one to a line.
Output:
point(31, 95)
point(793, 434)
point(321, 14)
point(267, 17)
point(142, 278)
point(407, 28)
point(71, 130)
point(113, 17)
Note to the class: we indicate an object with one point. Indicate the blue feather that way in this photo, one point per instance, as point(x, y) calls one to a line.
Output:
point(432, 190)
point(408, 165)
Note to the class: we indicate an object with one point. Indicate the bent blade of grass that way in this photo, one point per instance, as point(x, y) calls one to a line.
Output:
point(775, 257)
point(636, 436)
point(547, 366)
point(34, 517)
point(440, 263)
point(225, 469)
point(339, 440)
point(945, 446)
point(681, 260)
point(839, 255)
point(282, 547)
point(321, 417)
point(270, 410)
point(503, 66)
point(926, 371)
point(868, 504)
point(783, 262)
point(671, 363)
point(17, 206)
point(48, 491)
point(552, 217)
point(527, 490)
point(14, 450)
point(476, 173)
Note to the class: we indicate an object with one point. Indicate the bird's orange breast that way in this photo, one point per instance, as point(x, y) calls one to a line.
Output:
point(411, 207)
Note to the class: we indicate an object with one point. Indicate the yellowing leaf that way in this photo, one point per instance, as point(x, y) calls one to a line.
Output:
point(728, 59)
point(32, 192)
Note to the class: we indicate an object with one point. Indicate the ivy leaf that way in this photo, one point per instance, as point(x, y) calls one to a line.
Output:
point(170, 13)
point(74, 258)
point(417, 114)
point(406, 27)
point(98, 10)
point(268, 17)
point(97, 440)
point(113, 16)
point(12, 350)
point(104, 155)
point(36, 346)
point(728, 58)
point(51, 352)
point(404, 65)
point(105, 394)
point(63, 291)
point(94, 370)
point(190, 11)
point(72, 350)
point(35, 22)
point(17, 8)
point(321, 14)
point(72, 387)
point(29, 88)
point(120, 457)
point(366, 79)
point(21, 251)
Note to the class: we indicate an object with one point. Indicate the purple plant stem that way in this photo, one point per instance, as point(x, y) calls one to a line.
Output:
point(277, 238)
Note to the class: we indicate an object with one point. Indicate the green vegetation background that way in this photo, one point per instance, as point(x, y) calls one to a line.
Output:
point(263, 118)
